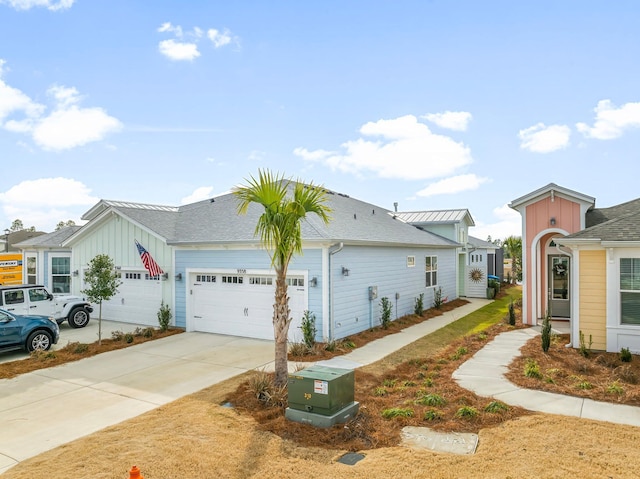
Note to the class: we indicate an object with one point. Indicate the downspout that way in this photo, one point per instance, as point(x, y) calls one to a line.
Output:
point(338, 248)
point(570, 343)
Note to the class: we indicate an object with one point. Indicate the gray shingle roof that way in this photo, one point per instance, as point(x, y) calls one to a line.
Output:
point(216, 221)
point(616, 223)
point(478, 243)
point(49, 240)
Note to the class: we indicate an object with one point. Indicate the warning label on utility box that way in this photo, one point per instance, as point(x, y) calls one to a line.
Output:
point(320, 387)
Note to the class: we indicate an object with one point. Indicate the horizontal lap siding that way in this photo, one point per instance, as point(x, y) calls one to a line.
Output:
point(593, 304)
point(387, 269)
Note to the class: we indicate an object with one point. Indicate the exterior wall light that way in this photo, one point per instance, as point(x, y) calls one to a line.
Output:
point(345, 271)
point(552, 221)
point(313, 282)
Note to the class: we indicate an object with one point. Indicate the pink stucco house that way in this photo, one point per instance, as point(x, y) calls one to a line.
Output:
point(581, 264)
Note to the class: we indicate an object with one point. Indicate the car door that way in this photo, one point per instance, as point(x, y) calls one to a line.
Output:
point(9, 330)
point(40, 302)
point(15, 301)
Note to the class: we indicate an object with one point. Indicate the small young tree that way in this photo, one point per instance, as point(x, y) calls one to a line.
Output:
point(102, 284)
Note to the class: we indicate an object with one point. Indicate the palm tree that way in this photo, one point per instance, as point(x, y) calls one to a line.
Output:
point(513, 247)
point(285, 204)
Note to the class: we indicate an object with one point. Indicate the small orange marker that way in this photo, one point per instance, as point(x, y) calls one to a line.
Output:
point(134, 473)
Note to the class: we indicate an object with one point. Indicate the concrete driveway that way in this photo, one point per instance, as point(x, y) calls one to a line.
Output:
point(46, 408)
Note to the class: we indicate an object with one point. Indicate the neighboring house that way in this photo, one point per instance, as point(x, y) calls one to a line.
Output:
point(11, 261)
point(476, 259)
point(582, 264)
point(46, 261)
point(217, 278)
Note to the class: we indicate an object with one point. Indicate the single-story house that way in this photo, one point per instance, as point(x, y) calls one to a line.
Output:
point(476, 259)
point(582, 264)
point(217, 278)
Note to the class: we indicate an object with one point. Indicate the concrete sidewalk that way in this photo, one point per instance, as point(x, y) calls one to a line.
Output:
point(484, 375)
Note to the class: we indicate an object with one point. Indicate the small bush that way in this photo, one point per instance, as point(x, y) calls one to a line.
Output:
point(128, 338)
point(496, 407)
point(428, 382)
point(148, 332)
point(585, 350)
point(461, 351)
point(380, 391)
point(546, 333)
point(330, 346)
point(430, 400)
point(259, 384)
point(389, 383)
point(625, 355)
point(397, 412)
point(298, 349)
point(467, 412)
point(418, 308)
point(164, 316)
point(432, 415)
point(615, 388)
point(347, 344)
point(437, 298)
point(626, 374)
point(80, 348)
point(532, 369)
point(117, 336)
point(584, 385)
point(512, 314)
point(385, 312)
point(308, 327)
point(408, 384)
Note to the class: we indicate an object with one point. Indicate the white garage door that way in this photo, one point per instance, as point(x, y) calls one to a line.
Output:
point(137, 301)
point(242, 304)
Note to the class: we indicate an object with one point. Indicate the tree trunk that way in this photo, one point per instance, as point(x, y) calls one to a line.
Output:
point(100, 325)
point(281, 322)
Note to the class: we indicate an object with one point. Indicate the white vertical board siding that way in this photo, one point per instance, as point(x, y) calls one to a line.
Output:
point(386, 268)
point(115, 237)
point(234, 259)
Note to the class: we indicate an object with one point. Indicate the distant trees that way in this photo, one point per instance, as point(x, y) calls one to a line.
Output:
point(18, 225)
point(65, 224)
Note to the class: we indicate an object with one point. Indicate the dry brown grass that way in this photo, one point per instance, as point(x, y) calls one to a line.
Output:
point(196, 437)
point(600, 376)
point(76, 351)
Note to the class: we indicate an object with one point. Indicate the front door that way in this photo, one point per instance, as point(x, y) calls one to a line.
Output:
point(559, 287)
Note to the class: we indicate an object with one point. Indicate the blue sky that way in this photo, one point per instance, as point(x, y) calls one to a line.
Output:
point(430, 104)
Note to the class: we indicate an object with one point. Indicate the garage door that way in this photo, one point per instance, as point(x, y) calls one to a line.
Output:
point(242, 304)
point(137, 301)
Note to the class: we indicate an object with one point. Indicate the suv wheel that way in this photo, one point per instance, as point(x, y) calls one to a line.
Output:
point(78, 318)
point(40, 340)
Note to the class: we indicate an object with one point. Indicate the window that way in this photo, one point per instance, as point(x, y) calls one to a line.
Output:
point(206, 278)
point(261, 280)
point(61, 274)
point(295, 282)
point(411, 261)
point(630, 290)
point(232, 279)
point(38, 294)
point(14, 297)
point(133, 276)
point(32, 276)
point(431, 271)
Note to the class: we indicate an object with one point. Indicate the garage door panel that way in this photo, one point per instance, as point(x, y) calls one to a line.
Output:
point(242, 305)
point(137, 301)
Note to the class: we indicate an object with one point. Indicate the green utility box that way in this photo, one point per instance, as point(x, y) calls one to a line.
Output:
point(321, 396)
point(321, 389)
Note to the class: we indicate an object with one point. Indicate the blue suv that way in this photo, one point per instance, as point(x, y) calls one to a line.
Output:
point(27, 332)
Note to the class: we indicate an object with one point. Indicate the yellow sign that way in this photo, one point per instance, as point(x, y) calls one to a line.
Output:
point(10, 268)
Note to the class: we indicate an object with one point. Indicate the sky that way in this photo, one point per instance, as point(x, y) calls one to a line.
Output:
point(427, 104)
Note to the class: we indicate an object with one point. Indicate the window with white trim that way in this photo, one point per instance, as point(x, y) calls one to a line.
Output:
point(431, 271)
point(630, 291)
point(61, 274)
point(411, 261)
point(32, 272)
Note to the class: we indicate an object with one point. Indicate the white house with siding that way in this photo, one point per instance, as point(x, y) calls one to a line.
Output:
point(217, 278)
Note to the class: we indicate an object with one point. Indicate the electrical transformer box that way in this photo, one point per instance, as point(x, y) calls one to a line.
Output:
point(321, 390)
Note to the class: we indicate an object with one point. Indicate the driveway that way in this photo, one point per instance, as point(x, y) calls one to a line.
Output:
point(47, 408)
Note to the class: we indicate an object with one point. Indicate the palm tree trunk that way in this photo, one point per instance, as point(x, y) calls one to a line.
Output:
point(281, 322)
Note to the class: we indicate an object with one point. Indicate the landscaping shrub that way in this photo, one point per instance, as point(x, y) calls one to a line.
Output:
point(117, 336)
point(385, 312)
point(584, 349)
point(164, 316)
point(432, 415)
point(546, 333)
point(437, 298)
point(496, 407)
point(419, 306)
point(397, 412)
point(512, 313)
point(532, 369)
point(467, 411)
point(625, 355)
point(308, 327)
point(430, 400)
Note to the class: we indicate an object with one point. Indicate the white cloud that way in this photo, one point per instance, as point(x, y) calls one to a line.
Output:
point(455, 184)
point(218, 38)
point(256, 155)
point(453, 120)
point(67, 126)
point(611, 122)
point(509, 223)
point(540, 138)
point(199, 194)
point(39, 202)
point(28, 4)
point(402, 148)
point(178, 51)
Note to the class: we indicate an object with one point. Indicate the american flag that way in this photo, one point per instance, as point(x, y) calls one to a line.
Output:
point(148, 261)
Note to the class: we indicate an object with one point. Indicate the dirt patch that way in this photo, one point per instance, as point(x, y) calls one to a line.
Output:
point(75, 351)
point(600, 376)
